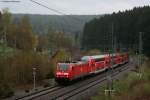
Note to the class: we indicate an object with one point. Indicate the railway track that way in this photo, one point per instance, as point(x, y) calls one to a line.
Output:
point(79, 90)
point(82, 88)
point(39, 93)
point(79, 87)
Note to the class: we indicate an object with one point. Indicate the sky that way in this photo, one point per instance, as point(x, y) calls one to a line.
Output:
point(74, 7)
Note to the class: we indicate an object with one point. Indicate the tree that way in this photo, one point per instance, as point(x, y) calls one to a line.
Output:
point(42, 43)
point(25, 38)
point(126, 27)
point(59, 40)
point(6, 21)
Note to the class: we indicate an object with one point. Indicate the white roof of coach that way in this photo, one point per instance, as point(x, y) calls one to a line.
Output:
point(98, 56)
point(93, 57)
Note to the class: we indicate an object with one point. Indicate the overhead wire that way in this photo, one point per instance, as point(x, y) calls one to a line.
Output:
point(15, 1)
point(62, 13)
point(48, 7)
point(56, 11)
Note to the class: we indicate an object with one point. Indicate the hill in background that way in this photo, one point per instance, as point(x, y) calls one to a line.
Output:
point(64, 23)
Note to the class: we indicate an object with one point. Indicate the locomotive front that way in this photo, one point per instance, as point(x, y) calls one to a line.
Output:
point(63, 72)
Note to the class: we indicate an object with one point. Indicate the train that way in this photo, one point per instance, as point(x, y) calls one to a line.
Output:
point(88, 65)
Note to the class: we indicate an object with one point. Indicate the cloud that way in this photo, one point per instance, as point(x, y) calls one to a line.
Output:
point(74, 6)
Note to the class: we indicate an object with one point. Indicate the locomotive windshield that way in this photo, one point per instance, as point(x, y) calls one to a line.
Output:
point(85, 59)
point(63, 67)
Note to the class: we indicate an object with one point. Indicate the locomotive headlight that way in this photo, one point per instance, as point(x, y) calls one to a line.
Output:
point(58, 73)
point(66, 73)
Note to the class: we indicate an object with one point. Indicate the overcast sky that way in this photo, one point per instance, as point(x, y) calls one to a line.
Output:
point(80, 7)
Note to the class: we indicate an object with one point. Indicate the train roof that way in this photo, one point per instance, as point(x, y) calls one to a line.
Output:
point(93, 57)
point(98, 56)
point(74, 64)
point(84, 59)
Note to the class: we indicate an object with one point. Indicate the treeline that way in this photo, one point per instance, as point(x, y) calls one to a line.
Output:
point(125, 26)
point(69, 24)
point(21, 50)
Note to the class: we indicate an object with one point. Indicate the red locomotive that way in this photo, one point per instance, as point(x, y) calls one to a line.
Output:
point(88, 65)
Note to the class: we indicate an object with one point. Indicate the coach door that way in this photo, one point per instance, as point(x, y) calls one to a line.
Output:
point(73, 72)
point(92, 65)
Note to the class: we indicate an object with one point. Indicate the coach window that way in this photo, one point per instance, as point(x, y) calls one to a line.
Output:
point(99, 59)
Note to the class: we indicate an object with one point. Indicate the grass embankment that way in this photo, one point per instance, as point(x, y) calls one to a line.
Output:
point(133, 87)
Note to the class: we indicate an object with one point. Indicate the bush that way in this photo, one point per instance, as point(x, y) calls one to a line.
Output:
point(6, 91)
point(146, 71)
point(146, 87)
point(49, 75)
point(18, 69)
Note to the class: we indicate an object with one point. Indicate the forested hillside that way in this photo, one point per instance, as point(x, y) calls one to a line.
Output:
point(125, 26)
point(69, 24)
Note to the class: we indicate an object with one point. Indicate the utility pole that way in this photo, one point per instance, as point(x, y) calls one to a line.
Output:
point(113, 53)
point(140, 53)
point(109, 89)
point(4, 41)
point(5, 37)
point(34, 78)
point(112, 40)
